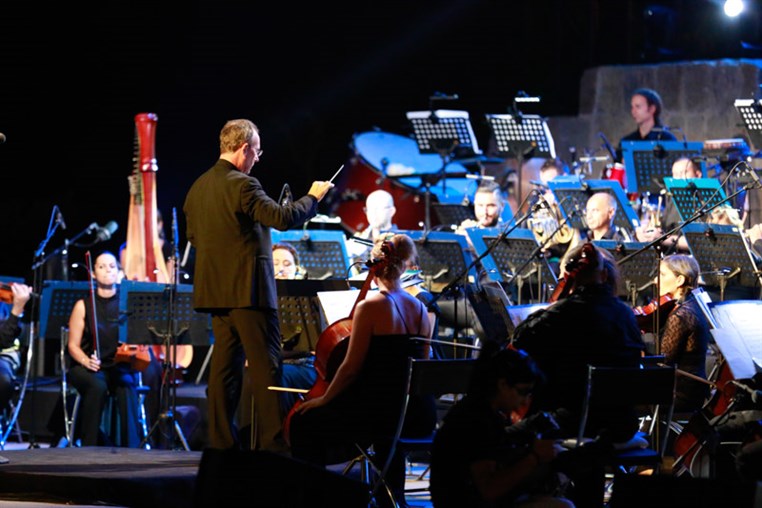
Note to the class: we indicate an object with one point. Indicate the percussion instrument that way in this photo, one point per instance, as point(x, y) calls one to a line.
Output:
point(382, 160)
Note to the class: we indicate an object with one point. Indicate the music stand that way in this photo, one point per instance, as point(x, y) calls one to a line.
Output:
point(572, 194)
point(442, 256)
point(453, 214)
point(322, 253)
point(515, 259)
point(722, 253)
point(299, 309)
point(750, 111)
point(447, 133)
point(638, 271)
point(690, 195)
point(58, 299)
point(521, 136)
point(159, 317)
point(647, 163)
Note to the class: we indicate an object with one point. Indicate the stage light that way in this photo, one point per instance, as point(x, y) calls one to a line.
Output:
point(733, 8)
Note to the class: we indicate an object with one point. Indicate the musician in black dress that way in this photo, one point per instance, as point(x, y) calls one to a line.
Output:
point(93, 372)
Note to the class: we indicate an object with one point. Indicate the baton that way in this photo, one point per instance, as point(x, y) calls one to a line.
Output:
point(336, 174)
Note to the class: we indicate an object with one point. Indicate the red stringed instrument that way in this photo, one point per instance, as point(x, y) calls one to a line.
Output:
point(137, 355)
point(574, 267)
point(646, 315)
point(330, 350)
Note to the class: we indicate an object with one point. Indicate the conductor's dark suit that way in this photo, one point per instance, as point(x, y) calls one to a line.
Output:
point(228, 218)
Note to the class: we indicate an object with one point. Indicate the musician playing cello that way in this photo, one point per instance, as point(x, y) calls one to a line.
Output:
point(94, 372)
point(363, 400)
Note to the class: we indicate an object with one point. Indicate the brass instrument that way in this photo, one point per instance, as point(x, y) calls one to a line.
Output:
point(544, 222)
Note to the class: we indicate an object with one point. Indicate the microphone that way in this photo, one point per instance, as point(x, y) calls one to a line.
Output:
point(709, 233)
point(60, 218)
point(579, 213)
point(2, 138)
point(540, 203)
point(285, 195)
point(752, 173)
point(692, 187)
point(659, 151)
point(104, 233)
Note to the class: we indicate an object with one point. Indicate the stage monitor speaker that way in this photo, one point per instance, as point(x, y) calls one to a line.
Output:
point(233, 478)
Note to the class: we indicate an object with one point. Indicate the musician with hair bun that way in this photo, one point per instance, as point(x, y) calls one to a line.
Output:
point(363, 400)
point(94, 372)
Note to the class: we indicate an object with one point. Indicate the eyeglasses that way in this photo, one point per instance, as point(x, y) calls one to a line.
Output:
point(259, 152)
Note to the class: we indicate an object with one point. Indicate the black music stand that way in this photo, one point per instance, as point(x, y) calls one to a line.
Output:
point(453, 214)
point(523, 137)
point(58, 299)
point(723, 255)
point(299, 311)
point(692, 194)
point(647, 163)
point(162, 314)
point(442, 256)
point(750, 111)
point(572, 193)
point(447, 133)
point(638, 271)
point(516, 259)
point(322, 253)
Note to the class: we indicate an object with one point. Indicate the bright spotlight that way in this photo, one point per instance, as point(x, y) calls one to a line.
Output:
point(733, 8)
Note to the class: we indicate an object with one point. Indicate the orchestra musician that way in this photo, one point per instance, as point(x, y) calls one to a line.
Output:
point(362, 401)
point(11, 313)
point(95, 372)
point(600, 212)
point(379, 212)
point(228, 221)
point(685, 336)
point(645, 108)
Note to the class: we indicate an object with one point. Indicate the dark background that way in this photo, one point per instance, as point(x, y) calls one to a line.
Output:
point(311, 75)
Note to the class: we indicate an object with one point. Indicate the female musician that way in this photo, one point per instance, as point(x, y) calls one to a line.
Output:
point(94, 373)
point(685, 336)
point(363, 400)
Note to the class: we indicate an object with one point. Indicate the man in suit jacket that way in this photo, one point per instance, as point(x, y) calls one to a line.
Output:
point(228, 219)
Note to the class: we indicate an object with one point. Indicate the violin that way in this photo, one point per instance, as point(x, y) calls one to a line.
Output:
point(137, 355)
point(646, 314)
point(6, 292)
point(330, 350)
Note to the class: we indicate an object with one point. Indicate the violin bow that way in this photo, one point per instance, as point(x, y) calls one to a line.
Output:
point(93, 317)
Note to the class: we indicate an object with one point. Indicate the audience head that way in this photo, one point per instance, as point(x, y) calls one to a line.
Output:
point(285, 261)
point(488, 204)
point(379, 209)
point(505, 378)
point(591, 265)
point(678, 274)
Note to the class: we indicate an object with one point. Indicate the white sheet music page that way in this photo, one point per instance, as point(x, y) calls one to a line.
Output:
point(740, 331)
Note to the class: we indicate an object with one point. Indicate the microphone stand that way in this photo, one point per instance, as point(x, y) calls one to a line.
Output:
point(63, 249)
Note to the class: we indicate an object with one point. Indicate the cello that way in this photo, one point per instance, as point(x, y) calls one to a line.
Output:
point(331, 348)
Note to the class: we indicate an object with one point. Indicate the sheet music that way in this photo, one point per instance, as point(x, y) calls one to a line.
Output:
point(739, 335)
point(337, 304)
point(733, 349)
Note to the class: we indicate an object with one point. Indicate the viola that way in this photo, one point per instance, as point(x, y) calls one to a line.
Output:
point(646, 314)
point(330, 350)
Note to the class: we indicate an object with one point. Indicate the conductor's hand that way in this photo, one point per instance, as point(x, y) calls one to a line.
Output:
point(320, 189)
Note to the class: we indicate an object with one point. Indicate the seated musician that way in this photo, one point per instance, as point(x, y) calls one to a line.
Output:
point(600, 211)
point(685, 336)
point(667, 217)
point(10, 332)
point(379, 212)
point(362, 402)
point(94, 372)
point(605, 333)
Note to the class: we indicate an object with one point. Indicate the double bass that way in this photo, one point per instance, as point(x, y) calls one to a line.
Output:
point(330, 350)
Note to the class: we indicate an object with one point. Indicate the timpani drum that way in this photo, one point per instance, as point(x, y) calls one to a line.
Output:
point(382, 160)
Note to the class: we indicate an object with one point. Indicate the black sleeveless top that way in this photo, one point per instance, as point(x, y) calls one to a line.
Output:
point(107, 314)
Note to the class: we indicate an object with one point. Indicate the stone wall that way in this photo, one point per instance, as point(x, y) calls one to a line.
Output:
point(698, 97)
